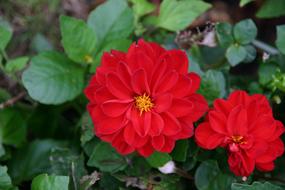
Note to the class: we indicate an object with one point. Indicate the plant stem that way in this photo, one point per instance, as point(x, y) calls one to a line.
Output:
point(265, 47)
point(183, 173)
point(12, 101)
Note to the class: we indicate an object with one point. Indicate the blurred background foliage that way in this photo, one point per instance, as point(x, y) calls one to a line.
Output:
point(46, 138)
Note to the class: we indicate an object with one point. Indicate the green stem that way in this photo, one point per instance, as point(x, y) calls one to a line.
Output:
point(265, 47)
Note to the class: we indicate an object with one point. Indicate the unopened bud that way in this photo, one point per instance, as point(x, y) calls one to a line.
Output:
point(168, 168)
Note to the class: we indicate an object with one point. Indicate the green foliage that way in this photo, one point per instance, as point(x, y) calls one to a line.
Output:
point(45, 182)
point(224, 34)
point(280, 41)
point(142, 7)
point(255, 186)
point(17, 64)
point(53, 79)
point(244, 2)
point(180, 151)
point(5, 180)
point(5, 36)
point(176, 15)
point(271, 8)
point(236, 54)
point(245, 31)
point(78, 40)
point(158, 159)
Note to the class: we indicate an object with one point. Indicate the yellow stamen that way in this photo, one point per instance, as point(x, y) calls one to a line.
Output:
point(88, 58)
point(143, 103)
point(238, 139)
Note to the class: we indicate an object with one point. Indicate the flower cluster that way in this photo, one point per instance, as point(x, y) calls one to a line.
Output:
point(145, 100)
point(244, 125)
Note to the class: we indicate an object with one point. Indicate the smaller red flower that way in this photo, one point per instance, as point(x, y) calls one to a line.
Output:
point(244, 125)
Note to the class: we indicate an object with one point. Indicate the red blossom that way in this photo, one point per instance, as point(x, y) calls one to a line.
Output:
point(144, 100)
point(244, 125)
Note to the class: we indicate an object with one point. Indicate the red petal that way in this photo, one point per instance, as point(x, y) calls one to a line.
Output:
point(117, 87)
point(167, 82)
point(124, 73)
point(172, 125)
point(138, 59)
point(102, 94)
point(129, 134)
point(121, 146)
point(182, 87)
point(196, 80)
point(181, 107)
point(177, 60)
point(264, 127)
point(168, 145)
point(223, 106)
point(237, 121)
point(240, 164)
point(206, 137)
point(158, 142)
point(110, 125)
point(239, 97)
point(141, 122)
point(146, 150)
point(186, 132)
point(265, 167)
point(218, 122)
point(115, 108)
point(200, 107)
point(157, 125)
point(139, 82)
point(162, 102)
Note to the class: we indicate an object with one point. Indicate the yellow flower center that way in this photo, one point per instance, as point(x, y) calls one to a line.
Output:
point(88, 58)
point(143, 103)
point(238, 139)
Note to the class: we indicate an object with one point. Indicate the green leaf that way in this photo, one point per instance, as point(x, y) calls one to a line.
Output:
point(280, 41)
point(106, 158)
point(244, 2)
point(45, 182)
point(53, 79)
point(31, 160)
point(255, 186)
point(213, 85)
point(236, 54)
point(16, 64)
point(245, 31)
point(271, 8)
point(250, 53)
point(5, 180)
point(158, 159)
point(121, 45)
point(209, 177)
point(79, 40)
point(5, 37)
point(224, 34)
point(12, 127)
point(40, 43)
point(180, 151)
point(112, 20)
point(142, 7)
point(266, 72)
point(176, 15)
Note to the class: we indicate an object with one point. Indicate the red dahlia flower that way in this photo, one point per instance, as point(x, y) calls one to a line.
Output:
point(144, 100)
point(245, 126)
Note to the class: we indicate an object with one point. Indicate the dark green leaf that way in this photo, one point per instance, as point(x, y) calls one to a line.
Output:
point(251, 53)
point(176, 15)
point(224, 34)
point(180, 151)
point(45, 182)
point(5, 180)
point(266, 72)
point(158, 159)
point(12, 127)
point(112, 20)
point(106, 158)
point(245, 31)
point(5, 37)
point(280, 41)
point(209, 177)
point(255, 186)
point(31, 160)
point(236, 54)
point(79, 41)
point(53, 79)
point(16, 64)
point(271, 8)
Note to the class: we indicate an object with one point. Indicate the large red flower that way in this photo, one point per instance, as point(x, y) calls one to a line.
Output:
point(245, 126)
point(144, 100)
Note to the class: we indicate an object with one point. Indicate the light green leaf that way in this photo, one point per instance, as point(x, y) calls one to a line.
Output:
point(79, 40)
point(106, 158)
point(255, 186)
point(180, 151)
point(280, 41)
point(142, 7)
point(5, 180)
point(111, 21)
point(271, 8)
point(245, 31)
point(17, 64)
point(40, 43)
point(12, 127)
point(5, 37)
point(45, 182)
point(53, 79)
point(31, 160)
point(236, 54)
point(244, 2)
point(209, 177)
point(176, 15)
point(224, 34)
point(158, 159)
